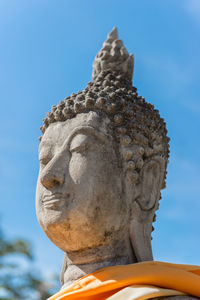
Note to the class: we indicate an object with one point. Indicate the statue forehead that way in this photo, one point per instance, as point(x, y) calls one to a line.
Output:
point(58, 132)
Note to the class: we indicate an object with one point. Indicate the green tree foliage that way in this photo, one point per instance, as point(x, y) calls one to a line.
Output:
point(16, 282)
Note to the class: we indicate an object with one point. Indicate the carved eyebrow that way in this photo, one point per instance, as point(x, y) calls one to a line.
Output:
point(88, 130)
point(81, 129)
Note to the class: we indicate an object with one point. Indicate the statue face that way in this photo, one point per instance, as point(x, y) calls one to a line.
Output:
point(79, 199)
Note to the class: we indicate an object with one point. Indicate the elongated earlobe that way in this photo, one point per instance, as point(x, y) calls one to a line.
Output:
point(140, 234)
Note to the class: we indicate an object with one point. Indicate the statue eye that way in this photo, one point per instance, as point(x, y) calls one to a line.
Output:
point(79, 148)
point(45, 160)
point(79, 143)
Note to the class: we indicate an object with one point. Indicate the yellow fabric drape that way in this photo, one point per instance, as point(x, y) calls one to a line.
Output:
point(143, 292)
point(155, 278)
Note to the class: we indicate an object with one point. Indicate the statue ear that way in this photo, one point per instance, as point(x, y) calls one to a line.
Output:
point(151, 180)
point(144, 206)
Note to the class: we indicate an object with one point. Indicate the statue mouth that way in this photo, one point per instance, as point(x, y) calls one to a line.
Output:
point(55, 200)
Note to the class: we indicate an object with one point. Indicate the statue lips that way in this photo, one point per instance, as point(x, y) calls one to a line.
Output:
point(54, 200)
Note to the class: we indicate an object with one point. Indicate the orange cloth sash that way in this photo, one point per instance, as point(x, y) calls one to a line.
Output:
point(109, 282)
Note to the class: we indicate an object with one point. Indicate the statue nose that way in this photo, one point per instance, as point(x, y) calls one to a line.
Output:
point(50, 180)
point(52, 175)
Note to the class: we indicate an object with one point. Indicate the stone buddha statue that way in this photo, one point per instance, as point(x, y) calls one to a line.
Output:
point(103, 158)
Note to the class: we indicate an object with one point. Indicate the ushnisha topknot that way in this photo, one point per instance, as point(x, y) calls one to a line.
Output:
point(140, 131)
point(113, 56)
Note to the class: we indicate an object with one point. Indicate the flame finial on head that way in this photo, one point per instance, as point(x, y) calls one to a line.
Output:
point(113, 34)
point(113, 57)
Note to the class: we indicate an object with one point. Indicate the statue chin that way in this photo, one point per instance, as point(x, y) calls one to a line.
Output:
point(77, 236)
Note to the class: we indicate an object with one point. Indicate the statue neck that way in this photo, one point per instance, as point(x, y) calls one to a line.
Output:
point(80, 263)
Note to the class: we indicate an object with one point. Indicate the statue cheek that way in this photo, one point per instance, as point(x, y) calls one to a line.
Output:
point(87, 167)
point(77, 167)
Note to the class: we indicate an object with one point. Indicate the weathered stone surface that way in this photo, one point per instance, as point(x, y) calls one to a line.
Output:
point(103, 158)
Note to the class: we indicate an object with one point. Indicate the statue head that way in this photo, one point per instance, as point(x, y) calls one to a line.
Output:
point(103, 158)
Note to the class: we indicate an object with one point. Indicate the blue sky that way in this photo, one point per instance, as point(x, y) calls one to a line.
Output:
point(46, 53)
